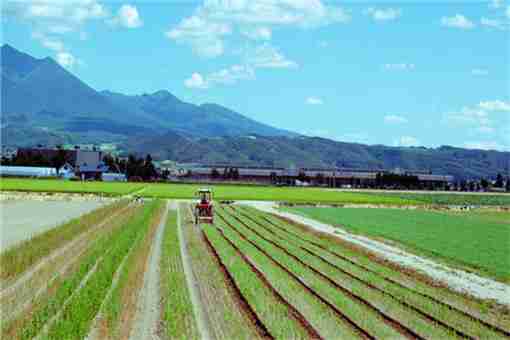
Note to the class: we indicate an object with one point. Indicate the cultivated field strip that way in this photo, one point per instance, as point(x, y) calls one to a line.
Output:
point(178, 317)
point(23, 294)
point(270, 310)
point(365, 264)
point(29, 253)
point(455, 319)
point(359, 315)
point(230, 315)
point(392, 311)
point(71, 303)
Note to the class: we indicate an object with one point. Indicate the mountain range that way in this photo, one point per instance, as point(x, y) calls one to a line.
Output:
point(43, 103)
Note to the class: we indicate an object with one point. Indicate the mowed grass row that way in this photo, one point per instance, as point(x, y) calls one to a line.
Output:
point(178, 315)
point(421, 314)
point(78, 297)
point(362, 264)
point(451, 237)
point(187, 191)
point(17, 259)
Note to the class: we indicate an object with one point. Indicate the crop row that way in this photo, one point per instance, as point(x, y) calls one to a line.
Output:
point(17, 259)
point(351, 267)
point(33, 284)
point(73, 301)
point(178, 316)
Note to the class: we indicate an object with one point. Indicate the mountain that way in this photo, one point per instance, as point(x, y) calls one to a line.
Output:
point(40, 95)
point(313, 152)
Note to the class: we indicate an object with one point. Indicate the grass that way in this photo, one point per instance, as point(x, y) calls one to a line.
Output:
point(227, 318)
point(178, 316)
point(451, 199)
point(273, 313)
point(54, 185)
point(17, 259)
point(469, 240)
point(479, 309)
point(186, 191)
point(395, 298)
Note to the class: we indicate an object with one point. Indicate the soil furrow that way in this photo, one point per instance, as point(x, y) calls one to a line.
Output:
point(339, 313)
point(384, 278)
point(147, 321)
point(198, 308)
point(396, 323)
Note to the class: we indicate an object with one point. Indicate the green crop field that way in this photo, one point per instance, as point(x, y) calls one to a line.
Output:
point(187, 191)
point(452, 198)
point(478, 240)
point(51, 185)
point(123, 271)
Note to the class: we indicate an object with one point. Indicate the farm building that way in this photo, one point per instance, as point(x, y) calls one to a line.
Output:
point(31, 171)
point(86, 164)
point(337, 177)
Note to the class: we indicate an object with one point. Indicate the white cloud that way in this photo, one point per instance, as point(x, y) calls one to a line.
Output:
point(384, 14)
point(267, 56)
point(66, 59)
point(484, 145)
point(203, 36)
point(127, 17)
point(258, 33)
point(406, 141)
point(495, 105)
point(231, 75)
point(227, 76)
point(394, 119)
point(493, 23)
point(195, 81)
point(457, 21)
point(399, 67)
point(314, 101)
point(479, 72)
point(208, 28)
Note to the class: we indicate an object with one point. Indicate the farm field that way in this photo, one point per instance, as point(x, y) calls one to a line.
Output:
point(137, 271)
point(486, 199)
point(22, 219)
point(450, 236)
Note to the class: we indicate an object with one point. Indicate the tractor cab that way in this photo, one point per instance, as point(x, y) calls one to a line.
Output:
point(204, 207)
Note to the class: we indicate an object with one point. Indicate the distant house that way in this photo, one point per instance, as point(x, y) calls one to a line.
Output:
point(85, 164)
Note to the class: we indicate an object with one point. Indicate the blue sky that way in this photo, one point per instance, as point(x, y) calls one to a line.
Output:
point(406, 73)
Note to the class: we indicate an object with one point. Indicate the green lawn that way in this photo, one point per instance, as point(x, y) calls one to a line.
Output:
point(186, 191)
point(452, 199)
point(476, 240)
point(52, 185)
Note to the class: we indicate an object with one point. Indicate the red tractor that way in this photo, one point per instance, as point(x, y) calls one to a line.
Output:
point(204, 212)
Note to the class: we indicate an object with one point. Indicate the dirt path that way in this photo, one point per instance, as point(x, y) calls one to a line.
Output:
point(147, 319)
point(458, 280)
point(198, 308)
